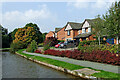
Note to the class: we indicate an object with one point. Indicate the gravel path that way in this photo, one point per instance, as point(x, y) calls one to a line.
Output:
point(95, 65)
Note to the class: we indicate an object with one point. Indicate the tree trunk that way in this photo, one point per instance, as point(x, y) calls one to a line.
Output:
point(117, 40)
point(99, 39)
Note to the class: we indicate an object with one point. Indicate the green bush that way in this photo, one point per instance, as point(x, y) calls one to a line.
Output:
point(60, 40)
point(32, 47)
point(40, 45)
point(46, 46)
point(94, 47)
point(16, 46)
point(88, 42)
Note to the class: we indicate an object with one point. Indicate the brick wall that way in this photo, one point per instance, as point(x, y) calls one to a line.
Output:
point(61, 34)
point(70, 36)
point(50, 34)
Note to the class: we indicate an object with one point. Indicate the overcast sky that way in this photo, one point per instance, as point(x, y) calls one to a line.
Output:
point(49, 15)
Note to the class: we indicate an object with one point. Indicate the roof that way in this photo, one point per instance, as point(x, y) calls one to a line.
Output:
point(57, 29)
point(91, 21)
point(75, 25)
point(83, 35)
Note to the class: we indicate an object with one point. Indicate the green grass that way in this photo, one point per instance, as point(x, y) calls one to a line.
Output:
point(40, 44)
point(101, 74)
point(52, 47)
point(4, 48)
point(52, 61)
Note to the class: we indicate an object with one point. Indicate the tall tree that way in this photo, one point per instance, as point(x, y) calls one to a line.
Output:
point(112, 21)
point(27, 34)
point(5, 37)
point(98, 27)
point(37, 30)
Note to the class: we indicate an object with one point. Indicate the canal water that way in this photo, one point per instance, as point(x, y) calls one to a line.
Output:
point(14, 66)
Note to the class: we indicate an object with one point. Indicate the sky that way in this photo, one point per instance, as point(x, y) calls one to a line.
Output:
point(50, 15)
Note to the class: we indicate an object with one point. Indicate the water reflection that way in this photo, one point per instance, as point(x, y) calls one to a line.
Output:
point(14, 66)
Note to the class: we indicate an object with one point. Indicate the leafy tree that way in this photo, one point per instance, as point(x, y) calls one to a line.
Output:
point(12, 35)
point(37, 30)
point(27, 34)
point(43, 35)
point(32, 47)
point(5, 37)
point(112, 20)
point(98, 27)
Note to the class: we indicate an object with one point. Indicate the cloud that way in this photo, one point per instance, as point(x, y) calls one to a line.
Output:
point(82, 4)
point(79, 4)
point(16, 19)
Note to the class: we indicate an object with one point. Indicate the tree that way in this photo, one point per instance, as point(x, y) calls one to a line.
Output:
point(5, 37)
point(43, 35)
point(37, 30)
point(27, 34)
point(98, 27)
point(112, 21)
point(12, 35)
point(32, 47)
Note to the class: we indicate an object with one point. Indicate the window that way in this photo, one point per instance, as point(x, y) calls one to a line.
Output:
point(83, 30)
point(79, 32)
point(56, 35)
point(89, 29)
point(68, 32)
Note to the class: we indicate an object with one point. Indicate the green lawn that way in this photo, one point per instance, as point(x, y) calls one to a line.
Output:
point(102, 74)
point(4, 48)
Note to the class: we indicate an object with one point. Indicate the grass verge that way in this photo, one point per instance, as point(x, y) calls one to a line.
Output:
point(4, 48)
point(101, 74)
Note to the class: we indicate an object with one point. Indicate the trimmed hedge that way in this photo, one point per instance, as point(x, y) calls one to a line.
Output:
point(96, 56)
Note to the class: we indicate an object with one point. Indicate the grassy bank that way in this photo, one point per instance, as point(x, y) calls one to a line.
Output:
point(102, 74)
point(4, 48)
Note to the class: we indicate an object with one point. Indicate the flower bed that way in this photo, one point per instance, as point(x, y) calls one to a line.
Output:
point(96, 56)
point(38, 51)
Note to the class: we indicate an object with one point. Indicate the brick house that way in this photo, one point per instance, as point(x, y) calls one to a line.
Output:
point(71, 30)
point(60, 33)
point(85, 31)
point(50, 34)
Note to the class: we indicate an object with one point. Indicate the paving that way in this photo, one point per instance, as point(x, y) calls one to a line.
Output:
point(95, 65)
point(86, 71)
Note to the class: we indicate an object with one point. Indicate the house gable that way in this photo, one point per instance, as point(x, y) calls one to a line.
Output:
point(68, 27)
point(50, 34)
point(86, 24)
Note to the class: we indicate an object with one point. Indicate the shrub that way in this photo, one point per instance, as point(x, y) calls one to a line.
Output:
point(51, 41)
point(96, 56)
point(32, 47)
point(40, 45)
point(46, 46)
point(60, 40)
point(38, 51)
point(94, 47)
point(16, 46)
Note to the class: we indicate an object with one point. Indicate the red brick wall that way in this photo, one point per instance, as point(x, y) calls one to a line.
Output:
point(73, 33)
point(61, 34)
point(91, 37)
point(50, 34)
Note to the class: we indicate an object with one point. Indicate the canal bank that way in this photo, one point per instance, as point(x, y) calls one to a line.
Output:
point(14, 66)
point(4, 49)
point(71, 68)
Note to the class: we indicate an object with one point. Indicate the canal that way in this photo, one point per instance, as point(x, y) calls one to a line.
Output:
point(14, 66)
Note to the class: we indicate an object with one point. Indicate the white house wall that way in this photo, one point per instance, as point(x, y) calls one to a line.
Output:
point(68, 27)
point(86, 24)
